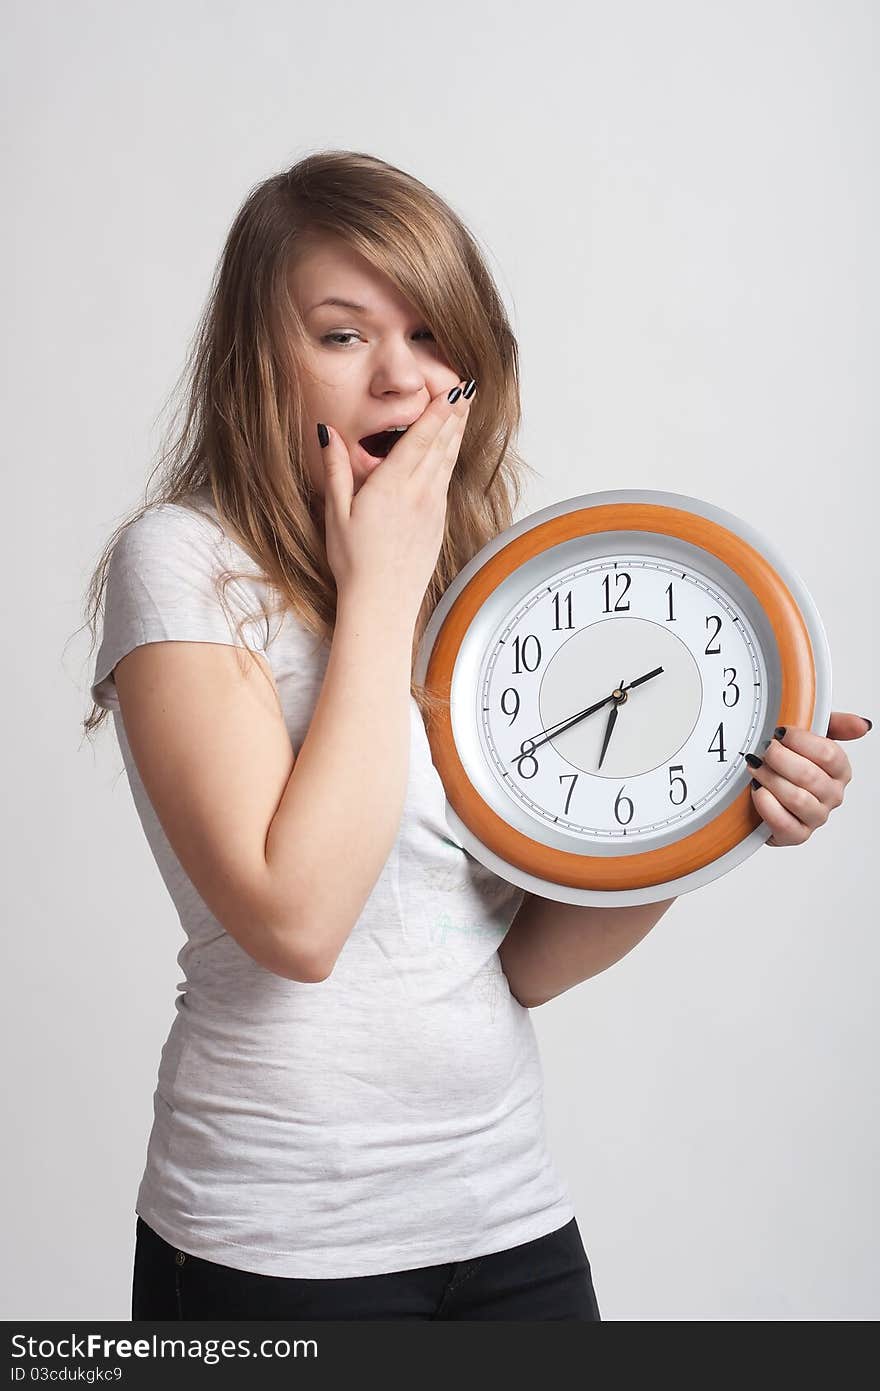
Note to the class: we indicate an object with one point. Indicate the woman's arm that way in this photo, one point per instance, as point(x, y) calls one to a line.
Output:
point(552, 946)
point(284, 848)
point(339, 815)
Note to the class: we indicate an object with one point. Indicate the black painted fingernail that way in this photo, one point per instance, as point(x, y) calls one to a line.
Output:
point(869, 723)
point(753, 760)
point(779, 731)
point(323, 435)
point(470, 388)
point(454, 394)
point(755, 783)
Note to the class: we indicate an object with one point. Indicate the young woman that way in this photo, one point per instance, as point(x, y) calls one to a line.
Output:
point(348, 1119)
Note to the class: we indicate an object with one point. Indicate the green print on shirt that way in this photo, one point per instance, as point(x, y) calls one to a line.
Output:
point(445, 927)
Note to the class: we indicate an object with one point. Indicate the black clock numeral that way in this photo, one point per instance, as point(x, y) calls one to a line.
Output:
point(677, 768)
point(557, 625)
point(617, 801)
point(526, 755)
point(719, 735)
point(671, 618)
point(731, 684)
point(520, 647)
point(606, 584)
point(511, 690)
point(574, 777)
point(713, 651)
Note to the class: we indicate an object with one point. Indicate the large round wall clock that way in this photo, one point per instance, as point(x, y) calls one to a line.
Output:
point(605, 665)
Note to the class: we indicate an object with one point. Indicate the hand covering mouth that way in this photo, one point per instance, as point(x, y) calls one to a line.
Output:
point(380, 443)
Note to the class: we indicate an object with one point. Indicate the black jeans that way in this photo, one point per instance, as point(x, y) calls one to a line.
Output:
point(548, 1278)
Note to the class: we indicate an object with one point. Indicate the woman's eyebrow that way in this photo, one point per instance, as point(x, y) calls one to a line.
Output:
point(363, 309)
point(342, 304)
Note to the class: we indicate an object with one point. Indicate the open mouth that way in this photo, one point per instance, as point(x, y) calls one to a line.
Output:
point(378, 445)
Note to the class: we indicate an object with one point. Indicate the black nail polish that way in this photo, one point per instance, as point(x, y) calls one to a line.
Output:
point(753, 761)
point(470, 388)
point(454, 394)
point(323, 435)
point(779, 731)
point(755, 783)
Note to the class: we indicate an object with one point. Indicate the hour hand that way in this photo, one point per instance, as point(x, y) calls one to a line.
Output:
point(612, 719)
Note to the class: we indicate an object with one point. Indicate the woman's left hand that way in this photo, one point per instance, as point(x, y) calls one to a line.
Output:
point(803, 777)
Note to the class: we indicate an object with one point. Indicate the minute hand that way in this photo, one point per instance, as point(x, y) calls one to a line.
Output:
point(582, 715)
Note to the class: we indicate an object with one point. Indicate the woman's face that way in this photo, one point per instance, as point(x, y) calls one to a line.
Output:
point(363, 369)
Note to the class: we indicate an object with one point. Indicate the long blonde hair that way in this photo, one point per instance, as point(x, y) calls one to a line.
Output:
point(242, 434)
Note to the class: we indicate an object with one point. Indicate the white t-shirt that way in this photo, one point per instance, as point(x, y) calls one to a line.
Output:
point(388, 1117)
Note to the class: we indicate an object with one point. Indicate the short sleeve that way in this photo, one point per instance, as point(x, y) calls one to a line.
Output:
point(162, 584)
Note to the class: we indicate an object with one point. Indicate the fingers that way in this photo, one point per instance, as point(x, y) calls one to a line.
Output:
point(440, 457)
point(338, 478)
point(802, 778)
point(426, 439)
point(787, 829)
point(788, 808)
point(797, 793)
point(843, 725)
point(787, 753)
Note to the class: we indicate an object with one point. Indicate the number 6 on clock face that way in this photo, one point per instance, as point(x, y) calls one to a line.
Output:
point(607, 663)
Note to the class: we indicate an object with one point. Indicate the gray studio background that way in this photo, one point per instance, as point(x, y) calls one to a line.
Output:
point(680, 204)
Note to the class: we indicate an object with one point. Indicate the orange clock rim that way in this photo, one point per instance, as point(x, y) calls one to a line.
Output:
point(645, 868)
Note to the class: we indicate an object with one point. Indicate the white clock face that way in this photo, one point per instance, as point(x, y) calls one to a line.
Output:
point(683, 656)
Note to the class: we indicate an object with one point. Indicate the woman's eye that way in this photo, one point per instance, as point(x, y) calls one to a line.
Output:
point(334, 337)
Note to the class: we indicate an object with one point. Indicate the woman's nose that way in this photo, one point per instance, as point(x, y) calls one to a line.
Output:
point(398, 367)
